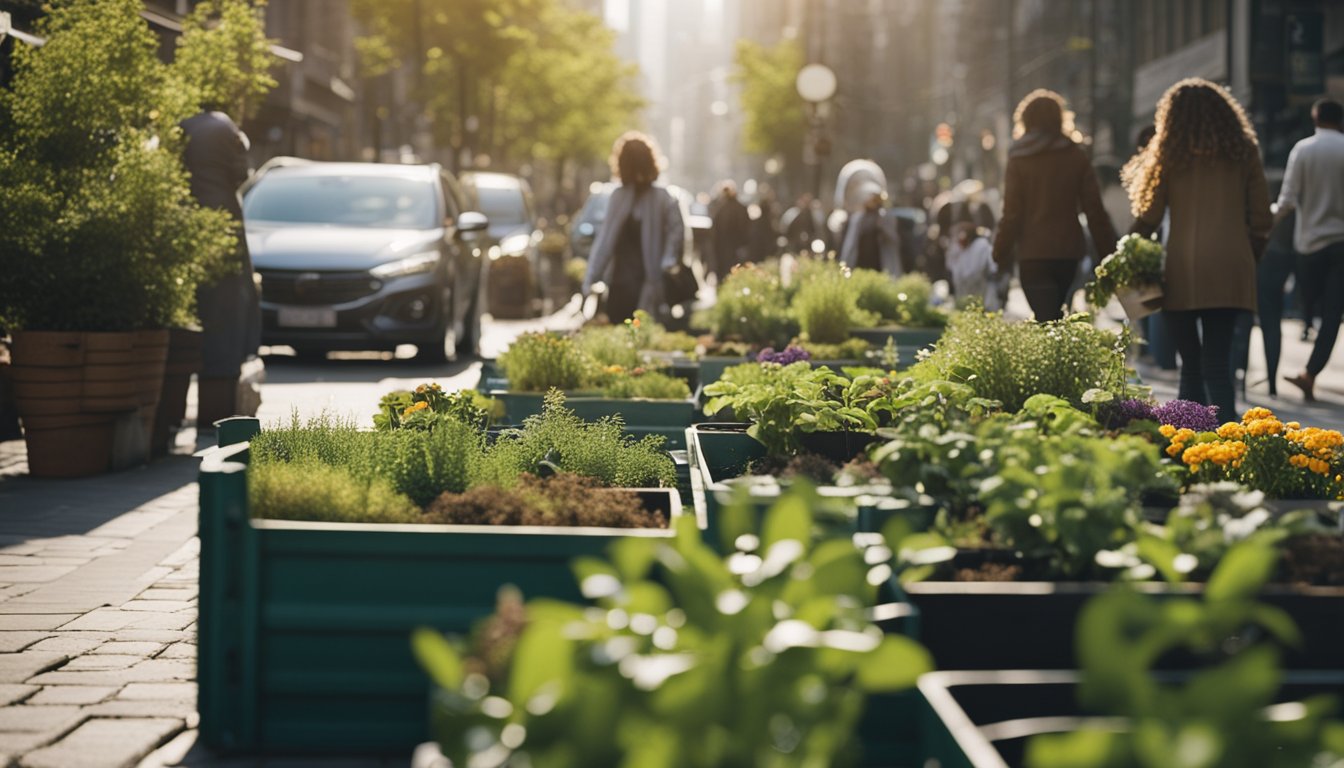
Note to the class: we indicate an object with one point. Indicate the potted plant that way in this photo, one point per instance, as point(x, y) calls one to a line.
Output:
point(323, 545)
point(1132, 274)
point(102, 244)
point(771, 656)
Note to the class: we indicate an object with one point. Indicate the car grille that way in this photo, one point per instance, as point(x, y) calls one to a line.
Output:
point(317, 287)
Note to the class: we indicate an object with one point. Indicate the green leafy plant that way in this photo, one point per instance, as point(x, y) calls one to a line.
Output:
point(224, 58)
point(537, 362)
point(906, 300)
point(752, 308)
point(641, 383)
point(827, 305)
point(784, 401)
point(317, 492)
point(1136, 263)
point(98, 229)
point(428, 404)
point(557, 440)
point(1222, 715)
point(684, 658)
point(1012, 361)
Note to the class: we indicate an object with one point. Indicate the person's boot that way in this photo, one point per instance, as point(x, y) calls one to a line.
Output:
point(215, 399)
point(1305, 382)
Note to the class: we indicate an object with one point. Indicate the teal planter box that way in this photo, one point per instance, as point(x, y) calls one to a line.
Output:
point(304, 628)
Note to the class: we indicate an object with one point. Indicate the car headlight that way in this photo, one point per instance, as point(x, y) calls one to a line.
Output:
point(515, 245)
point(411, 265)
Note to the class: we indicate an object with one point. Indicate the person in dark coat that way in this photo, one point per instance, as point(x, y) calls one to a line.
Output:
point(229, 308)
point(1048, 181)
point(732, 231)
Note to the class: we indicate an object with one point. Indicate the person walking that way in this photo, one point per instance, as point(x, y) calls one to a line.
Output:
point(970, 263)
point(732, 230)
point(1048, 180)
point(869, 238)
point(229, 308)
point(1279, 261)
point(1313, 185)
point(1203, 165)
point(642, 235)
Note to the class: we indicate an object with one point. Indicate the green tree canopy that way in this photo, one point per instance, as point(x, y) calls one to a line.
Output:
point(224, 59)
point(776, 116)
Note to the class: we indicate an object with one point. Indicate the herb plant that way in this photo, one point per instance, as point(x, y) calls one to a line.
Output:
point(428, 405)
point(684, 659)
point(1136, 263)
point(537, 362)
point(827, 305)
point(752, 308)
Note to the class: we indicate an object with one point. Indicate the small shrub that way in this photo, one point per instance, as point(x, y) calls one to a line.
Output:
point(560, 500)
point(641, 383)
point(557, 440)
point(826, 306)
point(1012, 361)
point(752, 308)
point(424, 464)
point(312, 491)
point(536, 362)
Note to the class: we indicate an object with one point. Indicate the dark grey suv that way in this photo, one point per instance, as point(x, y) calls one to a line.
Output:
point(367, 256)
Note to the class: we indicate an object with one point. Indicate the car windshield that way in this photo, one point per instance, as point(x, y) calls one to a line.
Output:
point(502, 206)
point(348, 201)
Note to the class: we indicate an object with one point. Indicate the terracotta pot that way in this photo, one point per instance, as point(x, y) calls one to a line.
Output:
point(68, 445)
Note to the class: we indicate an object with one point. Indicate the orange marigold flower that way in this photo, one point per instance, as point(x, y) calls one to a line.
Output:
point(1232, 431)
point(1255, 414)
point(1166, 430)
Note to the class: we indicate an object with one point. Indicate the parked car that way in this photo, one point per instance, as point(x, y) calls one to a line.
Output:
point(367, 256)
point(517, 274)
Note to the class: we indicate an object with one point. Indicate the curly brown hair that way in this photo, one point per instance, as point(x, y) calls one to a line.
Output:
point(1044, 111)
point(1196, 120)
point(635, 159)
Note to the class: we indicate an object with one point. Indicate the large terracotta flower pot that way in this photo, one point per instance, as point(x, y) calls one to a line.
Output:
point(69, 445)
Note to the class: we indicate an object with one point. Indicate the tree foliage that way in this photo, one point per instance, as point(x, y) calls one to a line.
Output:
point(776, 117)
point(539, 78)
point(224, 59)
point(98, 230)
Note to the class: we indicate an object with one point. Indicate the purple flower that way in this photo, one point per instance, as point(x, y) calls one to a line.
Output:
point(791, 354)
point(1118, 415)
point(1185, 414)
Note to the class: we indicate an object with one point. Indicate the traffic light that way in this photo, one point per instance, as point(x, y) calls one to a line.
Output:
point(943, 135)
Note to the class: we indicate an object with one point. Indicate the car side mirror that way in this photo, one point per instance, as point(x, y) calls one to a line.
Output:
point(472, 221)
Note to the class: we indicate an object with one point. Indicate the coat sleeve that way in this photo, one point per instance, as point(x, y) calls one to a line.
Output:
point(600, 254)
point(1259, 220)
point(674, 233)
point(1291, 190)
point(1098, 220)
point(1010, 224)
point(1147, 222)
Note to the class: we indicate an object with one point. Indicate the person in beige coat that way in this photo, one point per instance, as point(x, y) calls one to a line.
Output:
point(1203, 165)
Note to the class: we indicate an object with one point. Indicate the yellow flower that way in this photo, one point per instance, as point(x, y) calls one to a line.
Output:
point(1319, 467)
point(1175, 449)
point(614, 369)
point(1166, 430)
point(1255, 414)
point(1231, 431)
point(1293, 425)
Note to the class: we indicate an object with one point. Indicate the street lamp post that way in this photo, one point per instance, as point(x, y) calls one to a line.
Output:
point(816, 85)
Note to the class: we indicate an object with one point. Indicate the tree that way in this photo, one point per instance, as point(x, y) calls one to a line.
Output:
point(224, 59)
point(776, 116)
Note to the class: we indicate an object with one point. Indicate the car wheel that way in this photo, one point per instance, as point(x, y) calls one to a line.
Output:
point(442, 348)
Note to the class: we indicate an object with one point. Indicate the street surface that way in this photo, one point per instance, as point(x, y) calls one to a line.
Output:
point(98, 577)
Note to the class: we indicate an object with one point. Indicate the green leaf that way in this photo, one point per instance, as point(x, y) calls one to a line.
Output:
point(1243, 570)
point(543, 655)
point(1080, 749)
point(788, 518)
point(438, 658)
point(894, 665)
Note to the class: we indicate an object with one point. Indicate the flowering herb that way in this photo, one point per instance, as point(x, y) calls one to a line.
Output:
point(1118, 414)
point(1186, 414)
point(790, 354)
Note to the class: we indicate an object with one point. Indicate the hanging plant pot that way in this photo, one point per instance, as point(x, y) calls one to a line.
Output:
point(1140, 301)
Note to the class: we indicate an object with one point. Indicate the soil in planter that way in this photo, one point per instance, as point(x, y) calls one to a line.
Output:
point(814, 467)
point(560, 500)
point(1315, 560)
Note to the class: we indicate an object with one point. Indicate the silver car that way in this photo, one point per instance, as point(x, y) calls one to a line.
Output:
point(367, 256)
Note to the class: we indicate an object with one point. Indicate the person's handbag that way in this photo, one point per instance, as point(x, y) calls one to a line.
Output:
point(680, 285)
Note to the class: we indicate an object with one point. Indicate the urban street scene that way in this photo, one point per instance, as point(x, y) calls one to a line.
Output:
point(671, 383)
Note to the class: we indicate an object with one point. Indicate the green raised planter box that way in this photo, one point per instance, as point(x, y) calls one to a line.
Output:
point(304, 627)
point(909, 342)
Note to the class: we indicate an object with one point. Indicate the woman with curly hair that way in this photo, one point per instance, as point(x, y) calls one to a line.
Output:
point(1203, 165)
point(641, 236)
point(1049, 179)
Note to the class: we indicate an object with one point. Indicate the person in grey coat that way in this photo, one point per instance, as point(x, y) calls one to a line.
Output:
point(642, 235)
point(229, 308)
